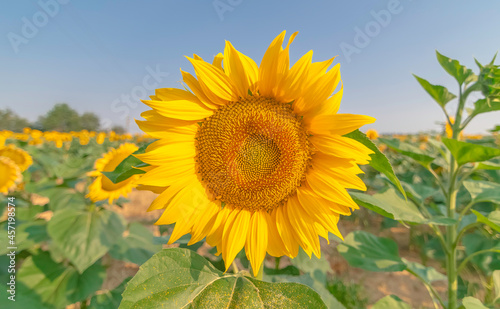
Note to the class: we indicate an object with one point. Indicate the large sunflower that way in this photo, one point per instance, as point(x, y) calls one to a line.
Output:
point(10, 174)
point(254, 157)
point(102, 188)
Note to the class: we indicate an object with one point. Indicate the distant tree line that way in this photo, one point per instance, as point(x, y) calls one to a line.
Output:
point(60, 118)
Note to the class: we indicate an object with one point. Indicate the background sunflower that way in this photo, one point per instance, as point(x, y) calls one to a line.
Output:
point(102, 188)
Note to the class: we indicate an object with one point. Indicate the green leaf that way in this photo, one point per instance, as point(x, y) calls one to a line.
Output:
point(495, 129)
point(493, 219)
point(180, 278)
point(378, 159)
point(109, 299)
point(127, 168)
point(316, 267)
point(137, 247)
point(468, 152)
point(392, 302)
point(419, 191)
point(54, 285)
point(288, 270)
point(439, 93)
point(389, 205)
point(369, 252)
point(483, 191)
point(454, 68)
point(488, 165)
point(434, 250)
point(470, 302)
point(30, 233)
point(487, 261)
point(306, 279)
point(84, 237)
point(428, 274)
point(486, 105)
point(60, 198)
point(496, 283)
point(408, 150)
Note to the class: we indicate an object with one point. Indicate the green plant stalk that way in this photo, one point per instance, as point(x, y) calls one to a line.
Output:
point(277, 262)
point(465, 229)
point(468, 258)
point(235, 268)
point(451, 260)
point(490, 290)
point(451, 230)
point(91, 208)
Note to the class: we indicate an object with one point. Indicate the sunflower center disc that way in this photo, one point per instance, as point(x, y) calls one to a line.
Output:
point(253, 153)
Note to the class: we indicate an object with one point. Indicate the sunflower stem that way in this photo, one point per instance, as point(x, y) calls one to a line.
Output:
point(92, 207)
point(235, 268)
point(277, 263)
point(451, 230)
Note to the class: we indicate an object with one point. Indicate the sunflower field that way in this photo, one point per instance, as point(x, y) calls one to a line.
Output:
point(248, 189)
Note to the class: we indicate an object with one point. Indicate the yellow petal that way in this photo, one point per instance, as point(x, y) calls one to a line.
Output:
point(155, 122)
point(169, 153)
point(342, 147)
point(235, 235)
point(286, 231)
point(275, 247)
point(154, 189)
point(344, 175)
point(257, 240)
point(195, 87)
point(174, 94)
point(180, 109)
point(339, 124)
point(316, 95)
point(156, 130)
point(269, 65)
point(241, 69)
point(214, 237)
point(218, 61)
point(329, 189)
point(193, 206)
point(293, 82)
point(214, 81)
point(330, 107)
point(204, 222)
point(167, 174)
point(303, 226)
point(316, 71)
point(164, 198)
point(185, 205)
point(283, 64)
point(318, 210)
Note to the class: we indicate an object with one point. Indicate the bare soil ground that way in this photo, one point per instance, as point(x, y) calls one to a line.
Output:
point(376, 284)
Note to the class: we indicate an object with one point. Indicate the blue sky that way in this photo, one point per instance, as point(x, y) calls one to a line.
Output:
point(100, 56)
